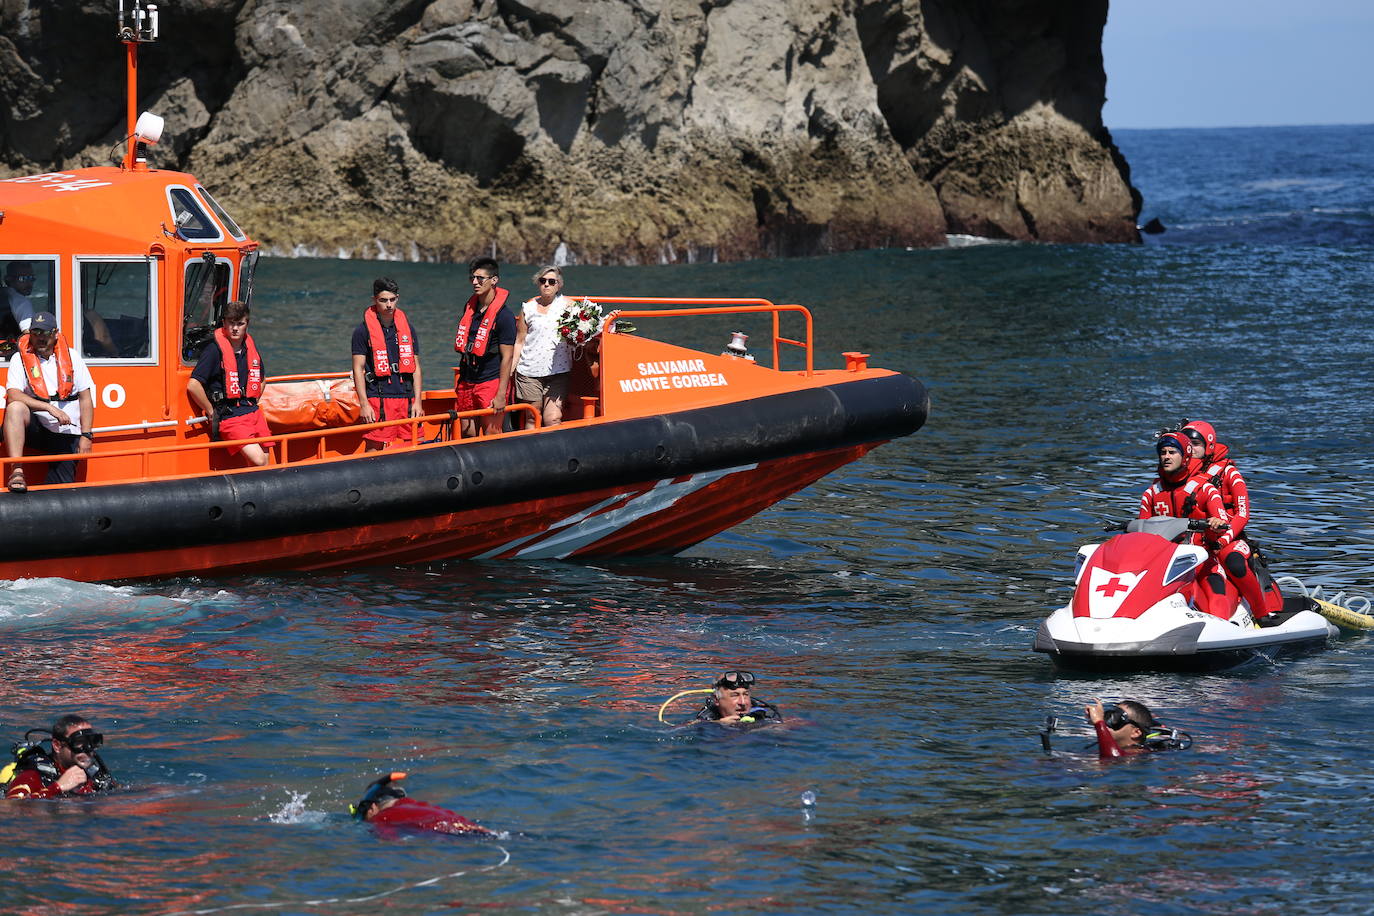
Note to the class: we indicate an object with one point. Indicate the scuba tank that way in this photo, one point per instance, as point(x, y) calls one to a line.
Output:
point(29, 754)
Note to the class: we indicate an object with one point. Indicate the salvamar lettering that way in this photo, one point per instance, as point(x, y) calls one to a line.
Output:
point(672, 366)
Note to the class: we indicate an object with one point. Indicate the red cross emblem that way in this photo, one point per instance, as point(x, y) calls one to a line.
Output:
point(1112, 586)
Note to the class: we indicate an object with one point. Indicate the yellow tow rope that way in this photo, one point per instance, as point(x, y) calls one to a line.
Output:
point(676, 696)
point(1344, 617)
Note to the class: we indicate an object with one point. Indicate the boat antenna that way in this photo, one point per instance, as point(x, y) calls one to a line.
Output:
point(138, 24)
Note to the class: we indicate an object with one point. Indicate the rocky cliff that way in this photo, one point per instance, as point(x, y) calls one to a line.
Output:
point(624, 130)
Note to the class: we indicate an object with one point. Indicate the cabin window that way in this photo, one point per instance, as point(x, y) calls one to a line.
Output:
point(115, 301)
point(28, 284)
point(208, 281)
point(224, 217)
point(193, 223)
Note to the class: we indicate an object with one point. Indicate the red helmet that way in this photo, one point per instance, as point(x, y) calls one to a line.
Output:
point(1203, 431)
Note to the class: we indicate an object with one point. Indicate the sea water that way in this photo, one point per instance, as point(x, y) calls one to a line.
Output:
point(888, 611)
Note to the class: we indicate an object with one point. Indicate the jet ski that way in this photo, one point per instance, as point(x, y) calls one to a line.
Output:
point(1134, 609)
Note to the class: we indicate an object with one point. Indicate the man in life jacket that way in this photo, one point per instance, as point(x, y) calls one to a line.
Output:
point(50, 402)
point(1128, 728)
point(387, 808)
point(1238, 559)
point(1177, 493)
point(485, 344)
point(732, 702)
point(72, 768)
point(227, 382)
point(386, 366)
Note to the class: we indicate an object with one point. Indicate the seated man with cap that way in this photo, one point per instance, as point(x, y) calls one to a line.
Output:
point(50, 401)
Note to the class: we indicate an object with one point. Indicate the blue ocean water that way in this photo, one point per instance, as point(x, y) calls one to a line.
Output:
point(888, 610)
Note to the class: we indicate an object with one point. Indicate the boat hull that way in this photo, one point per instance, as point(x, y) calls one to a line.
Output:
point(647, 485)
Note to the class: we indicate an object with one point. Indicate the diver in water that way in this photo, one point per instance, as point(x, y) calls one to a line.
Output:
point(386, 805)
point(72, 767)
point(1128, 728)
point(732, 703)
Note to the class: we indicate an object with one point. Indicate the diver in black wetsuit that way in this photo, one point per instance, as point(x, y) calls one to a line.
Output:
point(731, 703)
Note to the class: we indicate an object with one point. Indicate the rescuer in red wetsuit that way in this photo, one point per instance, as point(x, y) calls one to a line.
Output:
point(73, 767)
point(1178, 493)
point(1236, 559)
point(385, 806)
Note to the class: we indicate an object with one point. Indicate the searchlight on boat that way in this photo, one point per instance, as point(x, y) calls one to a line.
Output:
point(138, 24)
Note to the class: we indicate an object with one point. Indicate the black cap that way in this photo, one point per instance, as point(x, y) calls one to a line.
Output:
point(43, 321)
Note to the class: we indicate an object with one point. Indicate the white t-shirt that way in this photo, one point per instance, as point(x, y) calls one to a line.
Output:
point(20, 307)
point(81, 381)
point(545, 352)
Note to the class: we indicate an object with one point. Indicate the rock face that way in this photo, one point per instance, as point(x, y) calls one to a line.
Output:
point(631, 131)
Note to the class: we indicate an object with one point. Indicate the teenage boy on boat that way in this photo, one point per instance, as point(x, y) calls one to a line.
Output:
point(386, 366)
point(1237, 560)
point(227, 383)
point(485, 343)
point(50, 401)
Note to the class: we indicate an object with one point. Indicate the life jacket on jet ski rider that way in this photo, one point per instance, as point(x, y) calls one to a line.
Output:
point(1238, 559)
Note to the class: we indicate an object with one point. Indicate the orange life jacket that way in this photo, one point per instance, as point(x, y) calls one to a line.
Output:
point(405, 345)
point(33, 369)
point(233, 385)
point(478, 345)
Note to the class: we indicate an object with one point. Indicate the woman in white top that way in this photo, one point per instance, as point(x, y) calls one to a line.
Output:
point(542, 357)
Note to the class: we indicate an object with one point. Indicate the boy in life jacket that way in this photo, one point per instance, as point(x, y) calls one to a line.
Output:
point(485, 344)
point(1178, 493)
point(386, 366)
point(227, 382)
point(1238, 560)
point(388, 810)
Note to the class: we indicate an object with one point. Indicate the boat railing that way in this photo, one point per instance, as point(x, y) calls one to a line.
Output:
point(700, 307)
point(144, 458)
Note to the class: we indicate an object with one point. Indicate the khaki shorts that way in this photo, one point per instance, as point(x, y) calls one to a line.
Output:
point(537, 390)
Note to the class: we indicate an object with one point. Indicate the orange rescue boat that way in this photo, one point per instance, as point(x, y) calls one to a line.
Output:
point(662, 447)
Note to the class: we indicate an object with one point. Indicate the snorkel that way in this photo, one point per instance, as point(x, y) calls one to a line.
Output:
point(377, 791)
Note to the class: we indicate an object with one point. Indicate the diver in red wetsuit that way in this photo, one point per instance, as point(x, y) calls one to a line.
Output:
point(1128, 728)
point(73, 767)
point(385, 806)
point(1237, 559)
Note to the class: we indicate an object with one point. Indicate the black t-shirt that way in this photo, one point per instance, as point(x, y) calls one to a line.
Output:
point(209, 371)
point(394, 385)
point(488, 366)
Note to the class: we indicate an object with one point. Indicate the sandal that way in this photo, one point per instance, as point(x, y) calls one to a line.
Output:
point(17, 484)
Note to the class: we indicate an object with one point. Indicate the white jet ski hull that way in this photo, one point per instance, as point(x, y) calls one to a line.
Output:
point(1172, 636)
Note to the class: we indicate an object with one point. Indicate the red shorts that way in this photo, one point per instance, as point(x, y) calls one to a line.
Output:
point(389, 409)
point(249, 426)
point(476, 395)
